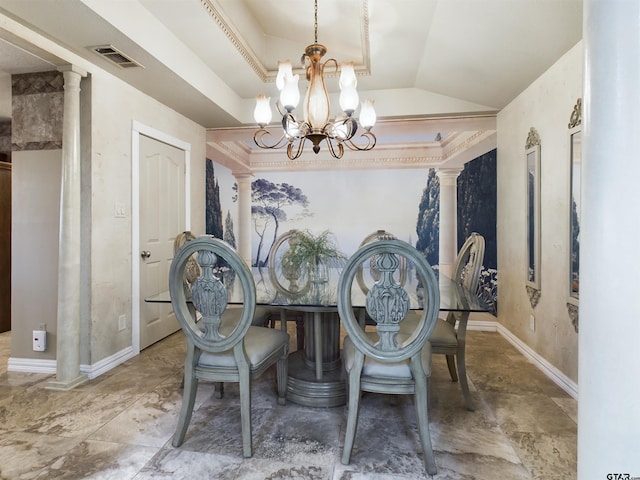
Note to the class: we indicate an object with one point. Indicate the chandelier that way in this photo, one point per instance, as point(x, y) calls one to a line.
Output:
point(316, 126)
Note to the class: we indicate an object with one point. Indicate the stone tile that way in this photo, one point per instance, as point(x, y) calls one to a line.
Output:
point(547, 456)
point(119, 426)
point(24, 455)
point(459, 431)
point(81, 417)
point(149, 421)
point(181, 464)
point(466, 466)
point(26, 407)
point(98, 460)
point(533, 413)
point(397, 451)
point(568, 405)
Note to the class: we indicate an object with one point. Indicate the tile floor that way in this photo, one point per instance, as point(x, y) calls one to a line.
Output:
point(119, 426)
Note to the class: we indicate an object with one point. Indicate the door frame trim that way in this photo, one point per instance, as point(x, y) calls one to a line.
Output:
point(138, 129)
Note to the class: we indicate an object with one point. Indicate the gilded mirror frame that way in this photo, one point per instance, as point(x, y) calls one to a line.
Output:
point(532, 183)
point(575, 168)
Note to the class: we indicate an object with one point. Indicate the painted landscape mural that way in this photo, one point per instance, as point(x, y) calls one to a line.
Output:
point(355, 203)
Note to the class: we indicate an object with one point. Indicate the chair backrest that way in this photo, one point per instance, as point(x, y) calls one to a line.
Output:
point(387, 301)
point(209, 293)
point(192, 269)
point(469, 262)
point(372, 237)
point(293, 281)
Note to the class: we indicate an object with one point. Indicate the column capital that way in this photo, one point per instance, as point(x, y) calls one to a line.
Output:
point(448, 176)
point(73, 68)
point(244, 177)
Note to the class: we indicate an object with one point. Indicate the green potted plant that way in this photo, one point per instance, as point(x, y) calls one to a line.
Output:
point(312, 254)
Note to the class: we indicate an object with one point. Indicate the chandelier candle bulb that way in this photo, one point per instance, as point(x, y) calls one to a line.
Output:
point(367, 114)
point(284, 70)
point(290, 95)
point(262, 112)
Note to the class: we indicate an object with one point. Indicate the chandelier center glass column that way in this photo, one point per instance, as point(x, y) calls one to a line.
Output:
point(316, 125)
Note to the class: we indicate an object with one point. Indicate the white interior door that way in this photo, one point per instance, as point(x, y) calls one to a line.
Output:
point(162, 217)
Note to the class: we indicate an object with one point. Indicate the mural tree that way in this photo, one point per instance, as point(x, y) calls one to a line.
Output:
point(268, 203)
point(428, 224)
point(213, 207)
point(477, 200)
point(229, 236)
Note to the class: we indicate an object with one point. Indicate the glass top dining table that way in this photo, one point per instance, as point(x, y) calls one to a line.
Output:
point(271, 291)
point(315, 374)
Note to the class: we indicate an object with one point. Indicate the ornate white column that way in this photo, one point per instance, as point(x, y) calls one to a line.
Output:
point(608, 366)
point(448, 237)
point(244, 214)
point(68, 321)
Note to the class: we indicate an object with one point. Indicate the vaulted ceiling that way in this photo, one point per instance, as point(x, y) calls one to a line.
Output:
point(424, 62)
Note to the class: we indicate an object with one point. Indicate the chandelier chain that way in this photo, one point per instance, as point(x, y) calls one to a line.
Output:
point(316, 21)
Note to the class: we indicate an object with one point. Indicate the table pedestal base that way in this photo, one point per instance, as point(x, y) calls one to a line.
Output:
point(304, 389)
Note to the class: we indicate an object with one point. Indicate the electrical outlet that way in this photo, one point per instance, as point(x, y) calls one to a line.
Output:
point(122, 322)
point(532, 323)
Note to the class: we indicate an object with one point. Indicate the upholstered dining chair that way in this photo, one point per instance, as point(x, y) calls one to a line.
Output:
point(387, 360)
point(219, 350)
point(289, 283)
point(450, 333)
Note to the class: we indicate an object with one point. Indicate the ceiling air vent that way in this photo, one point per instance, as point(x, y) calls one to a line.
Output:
point(114, 55)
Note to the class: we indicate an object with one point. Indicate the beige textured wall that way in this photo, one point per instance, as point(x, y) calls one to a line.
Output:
point(115, 106)
point(35, 188)
point(108, 116)
point(545, 105)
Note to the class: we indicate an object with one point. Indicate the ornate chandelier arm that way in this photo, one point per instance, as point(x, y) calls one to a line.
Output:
point(371, 142)
point(261, 132)
point(293, 154)
point(332, 147)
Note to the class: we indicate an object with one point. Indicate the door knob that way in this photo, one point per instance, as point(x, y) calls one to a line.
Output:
point(145, 254)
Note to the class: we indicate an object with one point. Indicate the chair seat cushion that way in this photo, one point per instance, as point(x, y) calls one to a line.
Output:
point(443, 335)
point(232, 315)
point(377, 368)
point(259, 343)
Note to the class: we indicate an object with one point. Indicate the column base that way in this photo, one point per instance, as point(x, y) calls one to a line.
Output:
point(68, 384)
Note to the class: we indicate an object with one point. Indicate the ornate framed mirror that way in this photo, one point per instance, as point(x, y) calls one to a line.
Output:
point(575, 213)
point(532, 158)
point(575, 139)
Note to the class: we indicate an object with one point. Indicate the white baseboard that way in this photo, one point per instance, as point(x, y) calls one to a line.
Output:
point(556, 376)
point(106, 364)
point(31, 365)
point(34, 365)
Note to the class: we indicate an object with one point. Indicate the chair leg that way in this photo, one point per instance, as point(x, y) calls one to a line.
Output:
point(218, 389)
point(245, 413)
point(300, 333)
point(452, 368)
point(464, 384)
point(281, 374)
point(188, 400)
point(353, 408)
point(422, 413)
